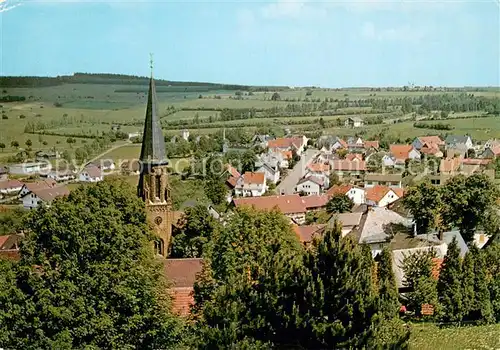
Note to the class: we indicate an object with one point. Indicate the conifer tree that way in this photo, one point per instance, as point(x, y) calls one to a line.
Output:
point(467, 281)
point(450, 285)
point(387, 290)
point(481, 310)
point(492, 259)
point(338, 301)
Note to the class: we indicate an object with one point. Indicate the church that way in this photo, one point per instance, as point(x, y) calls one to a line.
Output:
point(154, 187)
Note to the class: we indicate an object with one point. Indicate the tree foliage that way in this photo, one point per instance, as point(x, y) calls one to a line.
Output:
point(87, 277)
point(339, 203)
point(424, 202)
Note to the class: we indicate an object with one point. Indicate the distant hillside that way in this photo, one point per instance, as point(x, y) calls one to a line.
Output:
point(118, 79)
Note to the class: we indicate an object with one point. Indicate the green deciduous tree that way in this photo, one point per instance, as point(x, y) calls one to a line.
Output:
point(450, 285)
point(14, 144)
point(216, 190)
point(492, 260)
point(339, 203)
point(467, 200)
point(2, 146)
point(197, 228)
point(87, 277)
point(424, 202)
point(28, 143)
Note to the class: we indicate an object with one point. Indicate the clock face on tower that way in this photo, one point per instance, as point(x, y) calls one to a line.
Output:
point(158, 220)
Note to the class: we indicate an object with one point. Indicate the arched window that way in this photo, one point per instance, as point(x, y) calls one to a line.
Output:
point(158, 186)
point(159, 246)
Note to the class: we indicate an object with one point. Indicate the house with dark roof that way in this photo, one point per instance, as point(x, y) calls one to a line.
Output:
point(44, 196)
point(429, 141)
point(458, 143)
point(91, 173)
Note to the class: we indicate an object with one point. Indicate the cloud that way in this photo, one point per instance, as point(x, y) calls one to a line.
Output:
point(7, 5)
point(404, 33)
point(293, 10)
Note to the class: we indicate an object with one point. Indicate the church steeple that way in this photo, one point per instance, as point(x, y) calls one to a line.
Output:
point(153, 143)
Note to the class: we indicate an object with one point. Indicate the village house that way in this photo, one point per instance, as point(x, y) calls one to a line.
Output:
point(230, 176)
point(43, 196)
point(391, 180)
point(315, 202)
point(10, 187)
point(349, 222)
point(29, 168)
point(91, 173)
point(353, 122)
point(355, 144)
point(310, 185)
point(354, 156)
point(37, 185)
point(251, 185)
point(61, 175)
point(320, 171)
point(307, 233)
point(491, 152)
point(272, 173)
point(356, 194)
point(450, 166)
point(274, 158)
point(459, 144)
point(45, 155)
point(292, 206)
point(371, 146)
point(288, 144)
point(429, 141)
point(401, 153)
point(345, 168)
point(181, 273)
point(104, 164)
point(381, 196)
point(330, 143)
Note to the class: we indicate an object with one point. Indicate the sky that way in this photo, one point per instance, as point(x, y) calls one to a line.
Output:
point(292, 43)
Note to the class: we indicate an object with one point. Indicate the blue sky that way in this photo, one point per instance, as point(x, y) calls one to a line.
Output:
point(323, 43)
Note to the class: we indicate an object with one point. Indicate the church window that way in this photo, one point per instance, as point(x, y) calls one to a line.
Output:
point(158, 186)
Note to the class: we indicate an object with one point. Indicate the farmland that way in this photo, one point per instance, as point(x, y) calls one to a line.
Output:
point(88, 110)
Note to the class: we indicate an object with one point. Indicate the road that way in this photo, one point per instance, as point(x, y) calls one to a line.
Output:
point(287, 185)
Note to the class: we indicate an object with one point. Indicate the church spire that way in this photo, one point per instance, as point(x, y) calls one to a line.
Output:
point(153, 143)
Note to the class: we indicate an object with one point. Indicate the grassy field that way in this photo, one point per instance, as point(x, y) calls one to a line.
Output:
point(430, 337)
point(91, 109)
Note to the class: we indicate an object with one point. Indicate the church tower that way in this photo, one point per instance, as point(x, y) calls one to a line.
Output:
point(154, 188)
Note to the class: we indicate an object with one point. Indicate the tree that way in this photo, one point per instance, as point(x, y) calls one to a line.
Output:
point(387, 289)
point(66, 155)
point(334, 179)
point(276, 97)
point(339, 203)
point(81, 155)
point(342, 153)
point(466, 201)
point(197, 227)
point(216, 190)
point(248, 159)
point(471, 153)
point(478, 303)
point(245, 281)
point(492, 260)
point(322, 122)
point(419, 279)
point(424, 202)
point(2, 146)
point(450, 285)
point(14, 144)
point(88, 277)
point(28, 143)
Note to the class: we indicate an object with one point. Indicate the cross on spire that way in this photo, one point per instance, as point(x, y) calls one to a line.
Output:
point(151, 63)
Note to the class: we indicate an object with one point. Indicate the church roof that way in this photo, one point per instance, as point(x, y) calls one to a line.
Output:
point(153, 143)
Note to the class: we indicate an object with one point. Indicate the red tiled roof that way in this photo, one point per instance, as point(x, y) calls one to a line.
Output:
point(370, 144)
point(233, 171)
point(430, 149)
point(285, 142)
point(10, 184)
point(182, 272)
point(319, 167)
point(495, 150)
point(315, 201)
point(398, 191)
point(232, 181)
point(342, 189)
point(353, 156)
point(346, 165)
point(376, 193)
point(474, 161)
point(254, 178)
point(342, 142)
point(11, 254)
point(288, 204)
point(306, 233)
point(431, 140)
point(3, 239)
point(182, 300)
point(401, 152)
